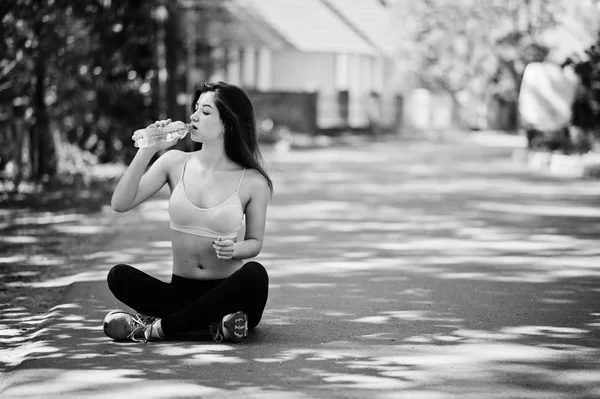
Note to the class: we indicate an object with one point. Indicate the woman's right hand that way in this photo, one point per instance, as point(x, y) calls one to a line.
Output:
point(161, 145)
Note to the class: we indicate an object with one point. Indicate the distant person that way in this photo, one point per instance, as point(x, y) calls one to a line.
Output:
point(211, 288)
point(374, 113)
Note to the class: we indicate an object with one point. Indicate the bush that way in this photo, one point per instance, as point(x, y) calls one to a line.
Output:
point(586, 106)
point(75, 166)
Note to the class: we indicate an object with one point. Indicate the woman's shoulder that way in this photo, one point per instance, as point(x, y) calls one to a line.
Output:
point(174, 156)
point(171, 160)
point(255, 180)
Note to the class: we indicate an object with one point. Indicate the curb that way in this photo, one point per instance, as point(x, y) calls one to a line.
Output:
point(586, 166)
point(307, 142)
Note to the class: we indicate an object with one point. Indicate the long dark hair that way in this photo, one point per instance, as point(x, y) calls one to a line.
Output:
point(237, 115)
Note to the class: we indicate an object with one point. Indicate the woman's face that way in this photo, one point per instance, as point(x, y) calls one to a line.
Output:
point(206, 121)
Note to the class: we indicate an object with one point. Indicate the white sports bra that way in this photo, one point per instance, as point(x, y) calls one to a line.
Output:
point(223, 220)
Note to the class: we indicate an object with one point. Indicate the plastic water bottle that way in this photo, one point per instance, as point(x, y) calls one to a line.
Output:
point(152, 135)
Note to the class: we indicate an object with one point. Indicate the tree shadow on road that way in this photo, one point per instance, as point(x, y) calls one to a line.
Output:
point(414, 275)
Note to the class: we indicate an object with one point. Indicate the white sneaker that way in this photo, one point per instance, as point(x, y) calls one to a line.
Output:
point(122, 326)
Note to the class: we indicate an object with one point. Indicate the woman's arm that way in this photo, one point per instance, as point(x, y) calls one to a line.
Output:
point(256, 216)
point(135, 186)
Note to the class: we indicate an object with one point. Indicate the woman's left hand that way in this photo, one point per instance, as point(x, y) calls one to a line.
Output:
point(224, 248)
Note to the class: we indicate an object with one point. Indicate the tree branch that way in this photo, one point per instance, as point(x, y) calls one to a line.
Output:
point(8, 69)
point(5, 86)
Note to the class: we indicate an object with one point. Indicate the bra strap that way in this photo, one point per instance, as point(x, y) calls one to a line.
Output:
point(184, 165)
point(240, 183)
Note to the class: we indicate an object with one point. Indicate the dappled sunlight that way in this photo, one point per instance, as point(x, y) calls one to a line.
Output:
point(307, 286)
point(201, 354)
point(478, 366)
point(103, 383)
point(87, 229)
point(210, 358)
point(391, 275)
point(19, 240)
point(326, 266)
point(407, 315)
point(315, 210)
point(12, 259)
point(547, 331)
point(358, 381)
point(44, 218)
point(423, 222)
point(377, 336)
point(406, 350)
point(187, 349)
point(154, 210)
point(540, 210)
point(459, 246)
point(16, 355)
point(160, 244)
point(32, 331)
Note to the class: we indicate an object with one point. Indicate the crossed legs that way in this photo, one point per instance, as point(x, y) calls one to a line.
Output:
point(186, 305)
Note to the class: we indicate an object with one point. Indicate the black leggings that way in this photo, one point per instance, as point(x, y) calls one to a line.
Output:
point(185, 304)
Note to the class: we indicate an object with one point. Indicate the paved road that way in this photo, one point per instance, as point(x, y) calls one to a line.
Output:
point(398, 270)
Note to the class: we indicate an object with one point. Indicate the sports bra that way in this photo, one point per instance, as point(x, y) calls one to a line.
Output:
point(223, 220)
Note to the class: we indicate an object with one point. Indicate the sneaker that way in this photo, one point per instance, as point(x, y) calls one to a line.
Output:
point(153, 331)
point(146, 319)
point(122, 326)
point(232, 327)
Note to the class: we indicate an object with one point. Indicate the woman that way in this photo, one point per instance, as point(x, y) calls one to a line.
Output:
point(211, 192)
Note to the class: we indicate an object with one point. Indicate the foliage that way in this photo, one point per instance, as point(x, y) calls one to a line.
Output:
point(476, 47)
point(86, 73)
point(75, 165)
point(586, 107)
point(111, 69)
point(73, 71)
point(24, 49)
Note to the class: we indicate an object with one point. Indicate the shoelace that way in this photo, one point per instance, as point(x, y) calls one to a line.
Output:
point(215, 330)
point(148, 325)
point(218, 336)
point(145, 318)
point(141, 326)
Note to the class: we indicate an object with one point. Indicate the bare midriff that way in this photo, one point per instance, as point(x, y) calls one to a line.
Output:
point(194, 257)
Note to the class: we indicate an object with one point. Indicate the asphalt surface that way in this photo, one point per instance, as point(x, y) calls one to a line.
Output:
point(397, 270)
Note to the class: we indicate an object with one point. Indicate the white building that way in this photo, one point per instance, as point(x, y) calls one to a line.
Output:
point(338, 49)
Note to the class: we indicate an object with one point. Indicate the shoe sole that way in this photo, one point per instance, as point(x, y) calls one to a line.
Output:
point(237, 326)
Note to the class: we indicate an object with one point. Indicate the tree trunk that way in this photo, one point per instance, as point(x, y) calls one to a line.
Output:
point(18, 128)
point(33, 150)
point(175, 52)
point(42, 144)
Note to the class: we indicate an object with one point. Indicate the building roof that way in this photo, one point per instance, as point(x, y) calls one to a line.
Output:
point(306, 25)
point(246, 27)
point(370, 18)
